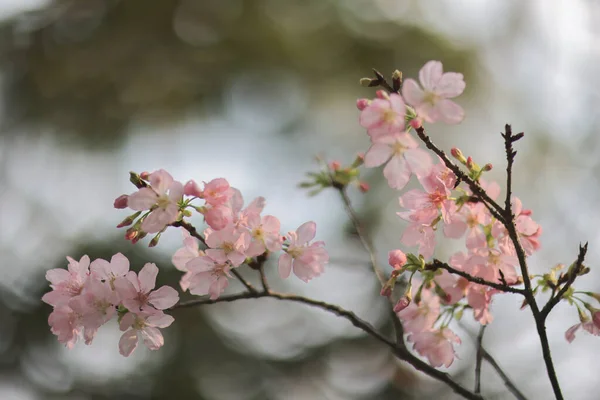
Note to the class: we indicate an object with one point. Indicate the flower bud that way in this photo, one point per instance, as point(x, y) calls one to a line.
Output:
point(129, 220)
point(361, 104)
point(363, 187)
point(154, 240)
point(386, 291)
point(136, 180)
point(365, 82)
point(145, 175)
point(487, 167)
point(334, 165)
point(121, 201)
point(397, 259)
point(456, 153)
point(470, 164)
point(131, 234)
point(402, 304)
point(416, 123)
point(382, 94)
point(396, 80)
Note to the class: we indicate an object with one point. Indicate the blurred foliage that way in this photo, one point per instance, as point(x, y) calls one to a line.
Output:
point(84, 70)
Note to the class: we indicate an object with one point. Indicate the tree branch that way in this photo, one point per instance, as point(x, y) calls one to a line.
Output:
point(507, 382)
point(435, 264)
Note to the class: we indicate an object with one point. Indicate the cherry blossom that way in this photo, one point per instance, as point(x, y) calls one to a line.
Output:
point(143, 325)
point(436, 346)
point(384, 116)
point(161, 198)
point(135, 290)
point(432, 102)
point(402, 155)
point(305, 259)
point(68, 283)
point(208, 276)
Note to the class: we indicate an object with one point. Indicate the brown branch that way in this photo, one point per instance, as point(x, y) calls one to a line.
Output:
point(400, 351)
point(495, 209)
point(507, 381)
point(436, 264)
point(263, 279)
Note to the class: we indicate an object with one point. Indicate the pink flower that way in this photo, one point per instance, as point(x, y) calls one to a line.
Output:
point(96, 305)
point(135, 291)
point(228, 244)
point(182, 256)
point(529, 231)
point(422, 235)
point(384, 116)
point(67, 284)
point(265, 234)
point(110, 271)
point(403, 157)
point(208, 276)
point(162, 198)
point(143, 324)
point(471, 218)
point(436, 346)
point(307, 260)
point(65, 324)
point(432, 104)
point(421, 317)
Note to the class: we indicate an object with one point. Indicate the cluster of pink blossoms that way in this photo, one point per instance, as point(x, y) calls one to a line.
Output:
point(87, 295)
point(440, 204)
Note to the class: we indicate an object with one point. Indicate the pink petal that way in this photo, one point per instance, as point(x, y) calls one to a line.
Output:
point(176, 191)
point(128, 343)
point(217, 287)
point(160, 180)
point(450, 112)
point(419, 161)
point(143, 199)
point(397, 172)
point(430, 75)
point(412, 93)
point(397, 104)
point(160, 320)
point(450, 85)
point(125, 289)
point(570, 333)
point(377, 155)
point(199, 283)
point(271, 223)
point(147, 277)
point(57, 275)
point(306, 232)
point(164, 297)
point(236, 258)
point(285, 265)
point(153, 339)
point(119, 264)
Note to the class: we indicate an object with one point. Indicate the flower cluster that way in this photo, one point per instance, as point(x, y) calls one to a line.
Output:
point(441, 205)
point(87, 295)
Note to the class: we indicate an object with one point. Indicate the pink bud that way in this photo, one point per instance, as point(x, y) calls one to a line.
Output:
point(145, 175)
point(526, 212)
point(361, 104)
point(397, 259)
point(456, 153)
point(416, 123)
point(191, 188)
point(121, 201)
point(386, 291)
point(487, 167)
point(402, 304)
point(382, 94)
point(469, 162)
point(335, 165)
point(131, 234)
point(596, 318)
point(363, 187)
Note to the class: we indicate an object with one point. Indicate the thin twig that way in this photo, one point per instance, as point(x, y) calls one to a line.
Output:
point(507, 381)
point(244, 282)
point(362, 235)
point(401, 352)
point(572, 274)
point(263, 279)
point(478, 359)
point(435, 264)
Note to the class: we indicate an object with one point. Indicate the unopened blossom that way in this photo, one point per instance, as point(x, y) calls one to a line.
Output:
point(384, 116)
point(587, 326)
point(143, 325)
point(161, 197)
point(402, 155)
point(228, 244)
point(135, 290)
point(432, 102)
point(68, 283)
point(208, 276)
point(396, 259)
point(306, 259)
point(436, 346)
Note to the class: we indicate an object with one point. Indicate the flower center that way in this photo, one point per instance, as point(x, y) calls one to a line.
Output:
point(398, 148)
point(163, 201)
point(431, 98)
point(389, 116)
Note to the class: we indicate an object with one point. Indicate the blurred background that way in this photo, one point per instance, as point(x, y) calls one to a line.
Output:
point(252, 90)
